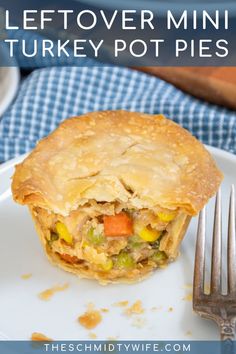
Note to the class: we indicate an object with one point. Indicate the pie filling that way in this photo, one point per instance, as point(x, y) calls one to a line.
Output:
point(107, 237)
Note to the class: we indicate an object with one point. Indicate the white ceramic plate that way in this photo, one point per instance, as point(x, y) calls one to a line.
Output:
point(22, 312)
point(9, 81)
point(9, 78)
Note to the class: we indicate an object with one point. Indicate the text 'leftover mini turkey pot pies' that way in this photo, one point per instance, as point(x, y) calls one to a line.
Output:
point(112, 193)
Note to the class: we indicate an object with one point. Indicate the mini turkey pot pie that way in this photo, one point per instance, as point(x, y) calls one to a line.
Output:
point(112, 193)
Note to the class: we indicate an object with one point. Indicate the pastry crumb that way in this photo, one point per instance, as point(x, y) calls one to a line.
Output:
point(121, 303)
point(170, 309)
point(48, 293)
point(91, 318)
point(90, 306)
point(112, 338)
point(39, 337)
point(92, 335)
point(26, 276)
point(139, 322)
point(189, 333)
point(136, 308)
point(105, 310)
point(163, 266)
point(188, 297)
point(155, 308)
point(188, 286)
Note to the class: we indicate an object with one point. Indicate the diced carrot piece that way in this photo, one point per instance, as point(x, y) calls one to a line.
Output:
point(118, 225)
point(68, 258)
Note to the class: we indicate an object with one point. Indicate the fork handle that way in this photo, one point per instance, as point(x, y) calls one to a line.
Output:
point(227, 329)
point(227, 332)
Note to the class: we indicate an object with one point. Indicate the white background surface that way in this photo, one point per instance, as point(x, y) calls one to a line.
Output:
point(22, 312)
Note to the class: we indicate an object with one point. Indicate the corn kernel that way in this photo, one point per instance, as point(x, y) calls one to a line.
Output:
point(85, 244)
point(108, 265)
point(63, 232)
point(166, 217)
point(149, 235)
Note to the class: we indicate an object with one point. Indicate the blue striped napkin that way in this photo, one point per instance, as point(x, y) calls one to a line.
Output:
point(49, 95)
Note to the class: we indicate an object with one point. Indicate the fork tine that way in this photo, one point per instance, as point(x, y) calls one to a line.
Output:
point(199, 268)
point(216, 248)
point(231, 244)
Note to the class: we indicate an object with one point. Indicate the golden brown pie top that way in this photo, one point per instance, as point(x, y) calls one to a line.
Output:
point(139, 159)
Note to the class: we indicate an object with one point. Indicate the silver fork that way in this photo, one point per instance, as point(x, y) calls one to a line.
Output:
point(216, 306)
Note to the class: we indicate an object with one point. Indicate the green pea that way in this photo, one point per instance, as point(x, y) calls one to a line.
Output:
point(136, 245)
point(159, 257)
point(124, 260)
point(94, 238)
point(135, 241)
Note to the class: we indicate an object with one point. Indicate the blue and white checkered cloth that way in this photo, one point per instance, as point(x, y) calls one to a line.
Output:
point(49, 95)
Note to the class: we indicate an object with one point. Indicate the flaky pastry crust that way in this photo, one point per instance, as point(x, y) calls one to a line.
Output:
point(139, 159)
